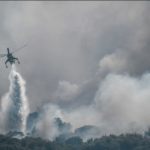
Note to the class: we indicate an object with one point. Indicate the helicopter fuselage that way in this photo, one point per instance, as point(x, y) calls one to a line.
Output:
point(10, 58)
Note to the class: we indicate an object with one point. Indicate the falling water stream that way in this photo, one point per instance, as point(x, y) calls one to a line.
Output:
point(15, 103)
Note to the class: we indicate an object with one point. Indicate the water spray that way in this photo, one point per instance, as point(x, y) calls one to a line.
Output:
point(16, 102)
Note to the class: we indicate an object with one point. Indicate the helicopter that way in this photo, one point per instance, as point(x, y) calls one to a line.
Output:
point(10, 57)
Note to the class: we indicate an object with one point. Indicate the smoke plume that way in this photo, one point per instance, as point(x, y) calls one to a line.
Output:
point(121, 105)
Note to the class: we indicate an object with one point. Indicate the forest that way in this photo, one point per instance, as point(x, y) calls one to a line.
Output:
point(112, 142)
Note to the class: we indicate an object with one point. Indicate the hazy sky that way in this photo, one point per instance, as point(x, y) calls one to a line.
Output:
point(72, 46)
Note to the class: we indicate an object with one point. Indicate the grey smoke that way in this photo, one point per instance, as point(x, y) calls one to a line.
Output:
point(78, 55)
point(121, 105)
point(68, 40)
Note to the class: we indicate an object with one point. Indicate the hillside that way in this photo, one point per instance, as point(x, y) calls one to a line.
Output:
point(111, 142)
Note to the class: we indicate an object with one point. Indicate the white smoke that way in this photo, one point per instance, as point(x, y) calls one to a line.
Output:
point(4, 107)
point(45, 126)
point(121, 105)
point(66, 91)
point(14, 104)
point(124, 103)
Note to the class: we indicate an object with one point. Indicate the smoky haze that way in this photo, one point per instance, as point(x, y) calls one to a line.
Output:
point(86, 58)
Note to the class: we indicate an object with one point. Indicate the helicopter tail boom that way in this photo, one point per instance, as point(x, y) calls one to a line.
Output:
point(8, 50)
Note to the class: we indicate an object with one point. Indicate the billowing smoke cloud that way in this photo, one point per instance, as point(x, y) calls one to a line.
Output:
point(121, 105)
point(14, 104)
point(123, 100)
point(70, 40)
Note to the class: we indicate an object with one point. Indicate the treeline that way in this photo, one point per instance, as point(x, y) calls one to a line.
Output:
point(111, 142)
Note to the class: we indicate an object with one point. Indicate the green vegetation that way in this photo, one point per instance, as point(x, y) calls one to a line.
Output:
point(111, 142)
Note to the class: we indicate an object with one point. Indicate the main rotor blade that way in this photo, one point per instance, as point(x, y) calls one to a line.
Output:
point(18, 49)
point(3, 55)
